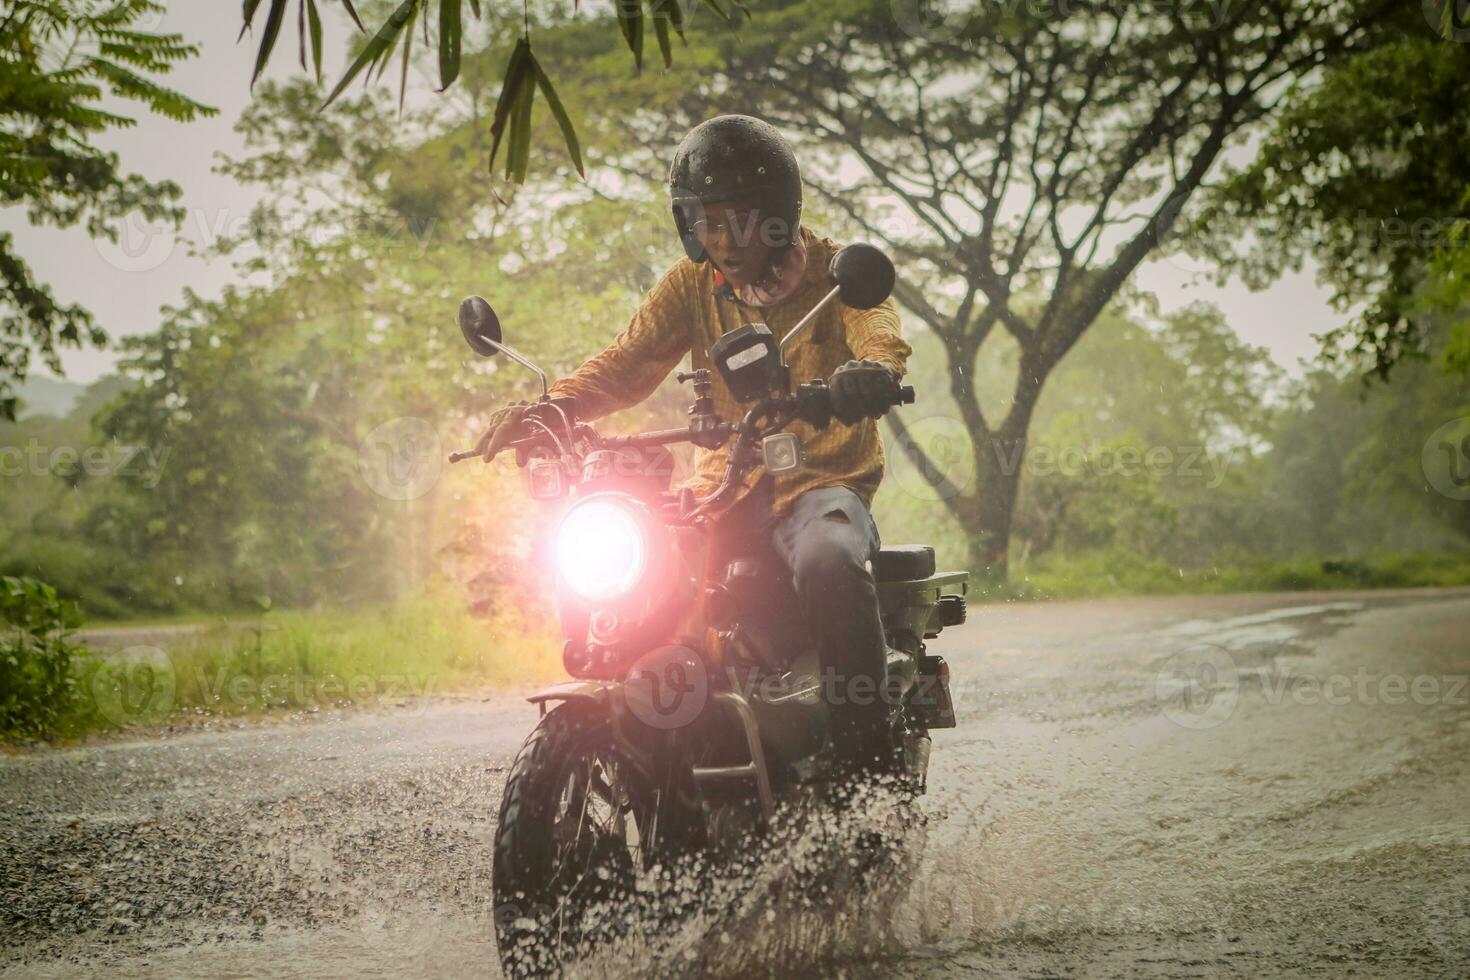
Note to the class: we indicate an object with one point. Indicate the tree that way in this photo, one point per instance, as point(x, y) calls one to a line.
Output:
point(57, 58)
point(1366, 173)
point(1142, 466)
point(1020, 163)
point(278, 402)
point(1352, 469)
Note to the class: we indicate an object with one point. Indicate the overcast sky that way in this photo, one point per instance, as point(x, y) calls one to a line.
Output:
point(125, 286)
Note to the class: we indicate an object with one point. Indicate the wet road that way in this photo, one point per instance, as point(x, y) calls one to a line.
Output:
point(1233, 785)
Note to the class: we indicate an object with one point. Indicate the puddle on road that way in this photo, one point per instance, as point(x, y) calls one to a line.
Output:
point(1268, 625)
point(1047, 848)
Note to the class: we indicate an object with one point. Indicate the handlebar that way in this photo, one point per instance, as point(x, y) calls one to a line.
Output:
point(717, 433)
point(659, 437)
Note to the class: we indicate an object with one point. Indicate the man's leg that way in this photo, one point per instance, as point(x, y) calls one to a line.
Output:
point(826, 541)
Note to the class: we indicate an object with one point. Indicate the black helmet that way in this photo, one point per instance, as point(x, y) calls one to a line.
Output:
point(735, 158)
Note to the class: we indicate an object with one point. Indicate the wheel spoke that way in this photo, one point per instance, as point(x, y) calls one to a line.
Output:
point(594, 810)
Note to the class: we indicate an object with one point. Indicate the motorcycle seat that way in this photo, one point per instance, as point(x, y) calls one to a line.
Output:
point(904, 563)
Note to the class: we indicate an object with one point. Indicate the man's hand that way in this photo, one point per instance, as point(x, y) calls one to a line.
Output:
point(862, 389)
point(506, 426)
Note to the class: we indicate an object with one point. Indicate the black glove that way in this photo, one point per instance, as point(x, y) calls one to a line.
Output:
point(506, 426)
point(862, 389)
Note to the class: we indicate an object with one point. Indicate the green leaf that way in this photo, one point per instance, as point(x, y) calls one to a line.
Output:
point(630, 22)
point(268, 39)
point(247, 17)
point(380, 63)
point(515, 76)
point(518, 154)
point(559, 113)
point(665, 46)
point(352, 12)
point(720, 11)
point(379, 46)
point(676, 16)
point(450, 32)
point(407, 47)
point(314, 21)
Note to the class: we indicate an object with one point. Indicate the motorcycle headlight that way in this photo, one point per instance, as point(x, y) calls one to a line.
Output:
point(601, 549)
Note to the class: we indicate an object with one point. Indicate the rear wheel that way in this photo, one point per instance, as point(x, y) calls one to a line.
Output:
point(575, 825)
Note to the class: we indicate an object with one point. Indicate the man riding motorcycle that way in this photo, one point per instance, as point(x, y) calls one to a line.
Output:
point(736, 200)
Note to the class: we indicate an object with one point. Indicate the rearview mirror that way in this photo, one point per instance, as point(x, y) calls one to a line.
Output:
point(864, 275)
point(480, 326)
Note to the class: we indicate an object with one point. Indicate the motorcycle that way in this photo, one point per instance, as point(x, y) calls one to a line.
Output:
point(696, 710)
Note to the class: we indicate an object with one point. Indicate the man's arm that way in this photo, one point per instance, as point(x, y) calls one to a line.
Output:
point(640, 357)
point(874, 335)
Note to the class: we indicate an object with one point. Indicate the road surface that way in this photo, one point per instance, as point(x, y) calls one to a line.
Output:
point(1257, 785)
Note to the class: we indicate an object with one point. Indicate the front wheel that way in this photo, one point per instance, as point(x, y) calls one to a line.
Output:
point(575, 825)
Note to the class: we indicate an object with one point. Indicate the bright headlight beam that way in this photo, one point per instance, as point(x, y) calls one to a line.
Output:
point(600, 549)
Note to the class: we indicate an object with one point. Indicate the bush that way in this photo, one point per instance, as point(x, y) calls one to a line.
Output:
point(106, 585)
point(38, 679)
point(425, 644)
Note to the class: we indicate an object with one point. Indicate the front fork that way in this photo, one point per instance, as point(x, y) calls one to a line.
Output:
point(664, 758)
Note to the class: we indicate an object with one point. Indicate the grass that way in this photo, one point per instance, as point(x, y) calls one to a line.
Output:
point(298, 661)
point(1111, 573)
point(428, 644)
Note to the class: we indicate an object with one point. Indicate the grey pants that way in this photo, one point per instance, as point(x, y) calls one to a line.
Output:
point(827, 541)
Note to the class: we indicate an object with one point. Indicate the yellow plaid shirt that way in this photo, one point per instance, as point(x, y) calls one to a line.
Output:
point(683, 315)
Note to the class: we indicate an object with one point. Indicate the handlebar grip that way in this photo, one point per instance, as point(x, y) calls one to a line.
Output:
point(661, 437)
point(905, 395)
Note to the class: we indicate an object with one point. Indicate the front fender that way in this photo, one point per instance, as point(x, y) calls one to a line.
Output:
point(599, 695)
point(595, 692)
point(667, 687)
